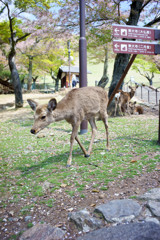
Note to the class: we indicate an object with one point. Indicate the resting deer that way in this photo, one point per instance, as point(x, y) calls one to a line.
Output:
point(135, 109)
point(122, 100)
point(79, 104)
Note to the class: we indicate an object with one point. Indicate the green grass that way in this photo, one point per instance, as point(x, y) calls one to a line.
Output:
point(97, 72)
point(27, 161)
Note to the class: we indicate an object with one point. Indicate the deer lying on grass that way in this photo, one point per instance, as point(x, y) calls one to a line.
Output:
point(122, 100)
point(135, 109)
point(79, 104)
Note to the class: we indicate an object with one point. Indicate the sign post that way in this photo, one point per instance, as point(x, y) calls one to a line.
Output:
point(134, 32)
point(159, 125)
point(82, 57)
point(134, 47)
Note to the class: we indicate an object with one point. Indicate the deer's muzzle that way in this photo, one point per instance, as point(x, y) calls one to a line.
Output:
point(33, 131)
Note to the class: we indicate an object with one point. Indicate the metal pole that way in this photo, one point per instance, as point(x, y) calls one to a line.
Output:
point(159, 125)
point(82, 56)
point(156, 97)
point(69, 61)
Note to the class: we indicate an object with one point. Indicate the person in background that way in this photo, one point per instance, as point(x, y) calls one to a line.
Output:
point(74, 82)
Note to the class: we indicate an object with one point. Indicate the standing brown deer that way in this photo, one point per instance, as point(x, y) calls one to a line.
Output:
point(122, 100)
point(79, 104)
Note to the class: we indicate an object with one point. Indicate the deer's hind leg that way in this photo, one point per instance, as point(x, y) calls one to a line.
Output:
point(115, 110)
point(120, 108)
point(72, 139)
point(104, 117)
point(94, 131)
point(81, 146)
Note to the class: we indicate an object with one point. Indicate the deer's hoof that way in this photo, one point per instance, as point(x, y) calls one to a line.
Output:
point(68, 165)
point(87, 155)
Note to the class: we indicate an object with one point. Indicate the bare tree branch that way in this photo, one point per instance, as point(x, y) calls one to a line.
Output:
point(24, 36)
point(145, 4)
point(156, 20)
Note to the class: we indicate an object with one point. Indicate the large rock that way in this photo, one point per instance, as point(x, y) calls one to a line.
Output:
point(131, 231)
point(84, 221)
point(43, 232)
point(153, 194)
point(154, 208)
point(119, 210)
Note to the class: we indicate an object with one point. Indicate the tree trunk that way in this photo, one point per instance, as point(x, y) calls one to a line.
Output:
point(56, 81)
point(150, 78)
point(15, 78)
point(151, 82)
point(120, 64)
point(122, 60)
point(30, 73)
point(56, 84)
point(34, 82)
point(104, 80)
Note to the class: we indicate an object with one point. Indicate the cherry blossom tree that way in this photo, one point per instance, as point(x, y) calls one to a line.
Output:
point(16, 24)
point(99, 17)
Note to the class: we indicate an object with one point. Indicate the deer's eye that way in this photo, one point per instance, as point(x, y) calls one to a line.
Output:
point(43, 117)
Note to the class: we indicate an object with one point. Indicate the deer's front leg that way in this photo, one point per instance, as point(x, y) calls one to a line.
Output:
point(115, 108)
point(71, 149)
point(72, 139)
point(128, 109)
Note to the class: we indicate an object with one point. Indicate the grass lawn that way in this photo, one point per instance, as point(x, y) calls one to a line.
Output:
point(28, 161)
point(35, 182)
point(97, 71)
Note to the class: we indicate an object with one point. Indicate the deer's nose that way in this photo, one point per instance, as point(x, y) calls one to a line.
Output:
point(33, 131)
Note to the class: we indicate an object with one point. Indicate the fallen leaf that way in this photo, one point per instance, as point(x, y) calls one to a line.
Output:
point(11, 213)
point(133, 161)
point(59, 225)
point(42, 135)
point(63, 185)
point(70, 209)
point(95, 190)
point(93, 205)
point(27, 165)
point(101, 196)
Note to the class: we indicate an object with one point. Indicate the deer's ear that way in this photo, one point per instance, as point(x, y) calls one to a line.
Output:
point(33, 104)
point(52, 104)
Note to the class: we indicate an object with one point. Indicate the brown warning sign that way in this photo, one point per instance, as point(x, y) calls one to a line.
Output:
point(133, 47)
point(133, 32)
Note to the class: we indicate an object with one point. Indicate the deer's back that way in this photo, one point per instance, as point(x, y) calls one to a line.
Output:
point(86, 101)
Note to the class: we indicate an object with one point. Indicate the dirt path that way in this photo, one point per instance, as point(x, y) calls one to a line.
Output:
point(8, 111)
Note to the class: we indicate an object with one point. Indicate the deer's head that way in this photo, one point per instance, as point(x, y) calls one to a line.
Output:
point(133, 90)
point(42, 114)
point(132, 106)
